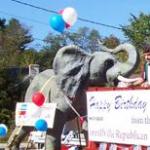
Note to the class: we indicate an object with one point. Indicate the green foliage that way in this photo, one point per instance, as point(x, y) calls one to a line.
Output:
point(5, 99)
point(28, 57)
point(84, 38)
point(14, 38)
point(138, 31)
point(46, 57)
point(111, 41)
point(17, 36)
point(2, 24)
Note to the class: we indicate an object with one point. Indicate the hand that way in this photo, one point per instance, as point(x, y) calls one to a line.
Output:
point(138, 81)
point(145, 84)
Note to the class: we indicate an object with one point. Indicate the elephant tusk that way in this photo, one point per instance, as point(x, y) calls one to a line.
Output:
point(127, 80)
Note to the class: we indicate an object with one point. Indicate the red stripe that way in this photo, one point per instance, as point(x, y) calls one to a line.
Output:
point(22, 112)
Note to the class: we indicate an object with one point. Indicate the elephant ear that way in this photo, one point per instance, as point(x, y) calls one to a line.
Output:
point(71, 67)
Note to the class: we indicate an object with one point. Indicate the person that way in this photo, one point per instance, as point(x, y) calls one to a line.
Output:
point(146, 68)
point(144, 80)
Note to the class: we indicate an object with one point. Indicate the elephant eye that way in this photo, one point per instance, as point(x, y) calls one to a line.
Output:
point(108, 63)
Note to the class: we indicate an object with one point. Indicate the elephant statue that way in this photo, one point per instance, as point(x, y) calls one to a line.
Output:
point(74, 70)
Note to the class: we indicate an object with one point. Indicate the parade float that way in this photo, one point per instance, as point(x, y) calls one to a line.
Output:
point(107, 118)
point(56, 96)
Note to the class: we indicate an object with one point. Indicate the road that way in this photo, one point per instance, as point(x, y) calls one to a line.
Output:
point(3, 145)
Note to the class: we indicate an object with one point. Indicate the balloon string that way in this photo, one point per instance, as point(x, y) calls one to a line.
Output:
point(46, 83)
point(68, 102)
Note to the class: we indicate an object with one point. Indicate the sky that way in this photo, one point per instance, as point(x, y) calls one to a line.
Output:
point(110, 12)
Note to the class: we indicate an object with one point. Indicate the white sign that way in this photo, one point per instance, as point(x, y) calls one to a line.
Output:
point(28, 113)
point(37, 136)
point(119, 116)
point(72, 138)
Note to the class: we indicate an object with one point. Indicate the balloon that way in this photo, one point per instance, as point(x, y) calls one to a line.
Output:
point(38, 98)
point(69, 15)
point(61, 11)
point(3, 130)
point(41, 125)
point(64, 147)
point(57, 23)
point(66, 24)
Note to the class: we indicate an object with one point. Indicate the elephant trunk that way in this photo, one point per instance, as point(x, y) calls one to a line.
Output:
point(123, 68)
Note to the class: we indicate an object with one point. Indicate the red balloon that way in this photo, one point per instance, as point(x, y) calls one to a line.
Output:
point(38, 98)
point(63, 147)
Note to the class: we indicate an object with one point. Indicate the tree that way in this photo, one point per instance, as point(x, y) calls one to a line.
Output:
point(84, 38)
point(28, 57)
point(14, 38)
point(2, 32)
point(138, 31)
point(93, 37)
point(2, 24)
point(18, 36)
point(111, 41)
point(7, 103)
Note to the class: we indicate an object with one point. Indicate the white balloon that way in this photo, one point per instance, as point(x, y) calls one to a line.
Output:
point(69, 15)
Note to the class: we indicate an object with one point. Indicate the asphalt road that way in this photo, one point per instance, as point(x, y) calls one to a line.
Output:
point(3, 145)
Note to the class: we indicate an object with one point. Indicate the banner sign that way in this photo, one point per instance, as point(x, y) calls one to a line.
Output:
point(119, 116)
point(37, 136)
point(28, 113)
point(72, 138)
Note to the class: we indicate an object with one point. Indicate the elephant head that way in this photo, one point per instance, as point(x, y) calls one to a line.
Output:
point(112, 66)
point(75, 69)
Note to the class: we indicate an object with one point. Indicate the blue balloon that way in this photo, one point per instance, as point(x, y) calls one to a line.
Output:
point(41, 125)
point(57, 23)
point(3, 130)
